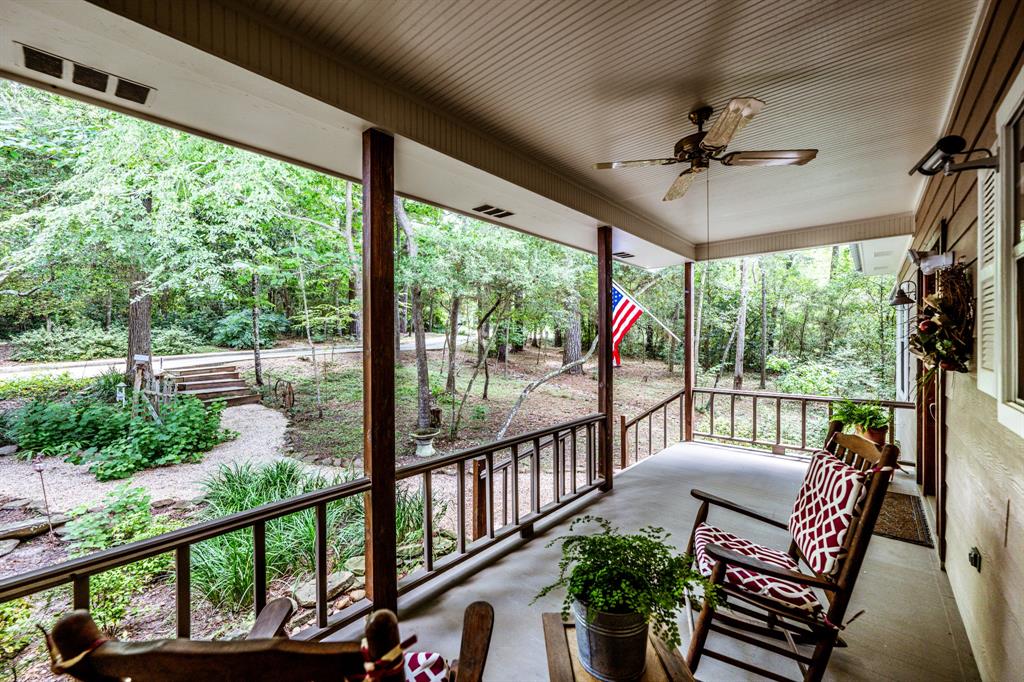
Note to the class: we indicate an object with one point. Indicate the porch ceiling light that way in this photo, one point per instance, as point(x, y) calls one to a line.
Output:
point(942, 158)
point(900, 297)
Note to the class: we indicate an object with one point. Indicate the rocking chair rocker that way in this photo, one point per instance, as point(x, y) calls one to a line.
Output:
point(768, 595)
point(78, 648)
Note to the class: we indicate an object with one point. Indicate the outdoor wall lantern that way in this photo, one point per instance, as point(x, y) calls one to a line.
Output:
point(942, 157)
point(901, 297)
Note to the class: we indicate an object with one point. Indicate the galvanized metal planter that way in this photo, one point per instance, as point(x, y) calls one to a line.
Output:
point(612, 646)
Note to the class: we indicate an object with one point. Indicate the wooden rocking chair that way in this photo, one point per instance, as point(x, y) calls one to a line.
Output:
point(78, 648)
point(769, 598)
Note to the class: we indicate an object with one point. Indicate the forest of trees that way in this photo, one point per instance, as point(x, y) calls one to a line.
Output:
point(112, 225)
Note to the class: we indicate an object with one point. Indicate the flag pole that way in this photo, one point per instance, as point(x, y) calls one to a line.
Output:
point(639, 305)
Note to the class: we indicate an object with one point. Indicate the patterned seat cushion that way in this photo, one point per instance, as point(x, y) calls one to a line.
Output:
point(831, 494)
point(788, 593)
point(421, 666)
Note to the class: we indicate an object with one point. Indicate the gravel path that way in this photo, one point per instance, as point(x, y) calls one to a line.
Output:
point(68, 486)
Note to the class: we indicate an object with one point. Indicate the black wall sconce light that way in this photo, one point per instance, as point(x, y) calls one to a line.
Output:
point(942, 158)
point(901, 296)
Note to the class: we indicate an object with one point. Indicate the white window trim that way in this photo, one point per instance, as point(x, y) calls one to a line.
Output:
point(1010, 411)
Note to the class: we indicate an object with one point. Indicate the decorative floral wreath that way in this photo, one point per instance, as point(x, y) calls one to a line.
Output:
point(944, 338)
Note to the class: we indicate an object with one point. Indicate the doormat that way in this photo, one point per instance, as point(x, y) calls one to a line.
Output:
point(902, 518)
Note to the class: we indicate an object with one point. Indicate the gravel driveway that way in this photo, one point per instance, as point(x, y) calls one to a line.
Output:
point(262, 440)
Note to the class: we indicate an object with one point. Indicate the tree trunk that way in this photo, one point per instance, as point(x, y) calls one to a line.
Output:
point(453, 343)
point(309, 333)
point(257, 361)
point(357, 265)
point(572, 350)
point(558, 337)
point(416, 296)
point(140, 320)
point(675, 326)
point(764, 321)
point(741, 328)
point(705, 283)
point(108, 309)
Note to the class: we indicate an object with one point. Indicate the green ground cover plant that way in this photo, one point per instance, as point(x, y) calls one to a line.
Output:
point(125, 516)
point(43, 387)
point(111, 441)
point(222, 567)
point(235, 329)
point(90, 342)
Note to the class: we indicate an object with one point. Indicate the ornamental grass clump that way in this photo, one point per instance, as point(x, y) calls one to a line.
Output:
point(638, 573)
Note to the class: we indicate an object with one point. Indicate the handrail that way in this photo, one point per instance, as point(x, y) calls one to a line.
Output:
point(657, 406)
point(78, 570)
point(899, 404)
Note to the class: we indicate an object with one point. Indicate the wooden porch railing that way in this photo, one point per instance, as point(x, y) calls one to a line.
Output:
point(569, 445)
point(719, 426)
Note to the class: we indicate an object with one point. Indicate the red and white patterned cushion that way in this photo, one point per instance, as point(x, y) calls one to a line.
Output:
point(829, 497)
point(423, 666)
point(783, 591)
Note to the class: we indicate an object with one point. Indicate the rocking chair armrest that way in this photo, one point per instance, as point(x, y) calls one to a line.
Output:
point(273, 619)
point(731, 558)
point(739, 509)
point(477, 624)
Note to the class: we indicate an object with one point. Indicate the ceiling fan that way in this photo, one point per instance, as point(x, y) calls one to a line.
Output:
point(699, 149)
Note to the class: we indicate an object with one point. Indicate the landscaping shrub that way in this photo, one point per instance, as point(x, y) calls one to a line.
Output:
point(778, 365)
point(235, 330)
point(111, 441)
point(125, 516)
point(810, 378)
point(222, 566)
point(92, 342)
point(45, 387)
point(16, 630)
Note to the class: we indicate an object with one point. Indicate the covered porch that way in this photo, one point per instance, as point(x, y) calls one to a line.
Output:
point(910, 628)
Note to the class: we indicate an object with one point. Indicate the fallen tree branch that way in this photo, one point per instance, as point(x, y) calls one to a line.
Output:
point(533, 385)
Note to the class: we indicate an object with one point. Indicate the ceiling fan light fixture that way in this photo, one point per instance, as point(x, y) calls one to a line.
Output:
point(731, 121)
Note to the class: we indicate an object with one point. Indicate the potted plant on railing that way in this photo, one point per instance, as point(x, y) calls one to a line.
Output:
point(616, 586)
point(869, 420)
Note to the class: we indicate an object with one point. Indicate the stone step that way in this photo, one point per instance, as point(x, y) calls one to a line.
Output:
point(30, 528)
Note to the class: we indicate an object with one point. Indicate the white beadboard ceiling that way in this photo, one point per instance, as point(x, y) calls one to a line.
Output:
point(575, 82)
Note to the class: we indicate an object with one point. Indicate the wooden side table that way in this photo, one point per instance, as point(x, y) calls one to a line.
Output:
point(663, 664)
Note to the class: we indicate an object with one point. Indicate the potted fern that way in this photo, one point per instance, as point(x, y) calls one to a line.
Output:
point(616, 586)
point(869, 420)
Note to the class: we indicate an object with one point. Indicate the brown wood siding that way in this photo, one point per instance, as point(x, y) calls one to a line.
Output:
point(984, 461)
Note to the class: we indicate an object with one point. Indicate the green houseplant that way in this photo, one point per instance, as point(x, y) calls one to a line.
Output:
point(870, 420)
point(616, 585)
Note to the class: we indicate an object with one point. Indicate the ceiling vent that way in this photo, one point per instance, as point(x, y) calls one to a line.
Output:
point(85, 76)
point(622, 254)
point(493, 211)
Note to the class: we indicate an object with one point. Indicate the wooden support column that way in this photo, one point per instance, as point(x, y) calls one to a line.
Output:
point(379, 366)
point(689, 352)
point(604, 354)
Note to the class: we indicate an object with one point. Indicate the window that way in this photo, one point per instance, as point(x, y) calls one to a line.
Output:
point(1007, 253)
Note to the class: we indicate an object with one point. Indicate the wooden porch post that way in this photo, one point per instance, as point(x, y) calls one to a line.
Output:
point(689, 352)
point(604, 353)
point(379, 366)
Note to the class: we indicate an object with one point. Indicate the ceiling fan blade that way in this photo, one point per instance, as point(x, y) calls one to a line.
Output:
point(774, 157)
point(635, 164)
point(730, 122)
point(679, 187)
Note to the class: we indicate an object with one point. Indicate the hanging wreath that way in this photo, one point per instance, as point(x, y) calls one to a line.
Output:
point(944, 338)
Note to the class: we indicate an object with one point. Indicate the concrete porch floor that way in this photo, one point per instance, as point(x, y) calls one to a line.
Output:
point(911, 629)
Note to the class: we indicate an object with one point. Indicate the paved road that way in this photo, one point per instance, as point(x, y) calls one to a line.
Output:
point(89, 368)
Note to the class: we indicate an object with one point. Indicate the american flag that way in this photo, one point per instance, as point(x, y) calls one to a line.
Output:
point(625, 312)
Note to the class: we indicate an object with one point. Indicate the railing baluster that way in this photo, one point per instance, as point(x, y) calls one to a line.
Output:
point(460, 506)
point(650, 439)
point(892, 426)
point(504, 496)
point(778, 421)
point(183, 591)
point(590, 454)
point(664, 426)
point(535, 477)
point(732, 415)
point(490, 494)
point(574, 463)
point(428, 521)
point(259, 565)
point(803, 424)
point(479, 501)
point(321, 565)
point(80, 592)
point(555, 488)
point(753, 402)
point(636, 442)
point(623, 440)
point(711, 413)
point(681, 418)
point(515, 484)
